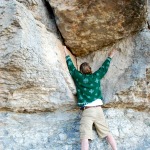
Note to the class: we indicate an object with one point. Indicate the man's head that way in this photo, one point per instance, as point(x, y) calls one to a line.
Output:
point(85, 68)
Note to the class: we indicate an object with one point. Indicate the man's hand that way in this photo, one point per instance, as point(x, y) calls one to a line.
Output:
point(65, 50)
point(112, 53)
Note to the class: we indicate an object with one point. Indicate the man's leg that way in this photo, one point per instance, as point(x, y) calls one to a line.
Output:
point(84, 144)
point(86, 124)
point(111, 141)
point(103, 130)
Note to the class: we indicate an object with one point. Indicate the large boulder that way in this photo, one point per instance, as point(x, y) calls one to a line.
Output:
point(35, 81)
point(87, 25)
point(33, 72)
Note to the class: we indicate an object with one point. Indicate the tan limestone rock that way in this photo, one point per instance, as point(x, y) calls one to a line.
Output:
point(87, 25)
point(33, 72)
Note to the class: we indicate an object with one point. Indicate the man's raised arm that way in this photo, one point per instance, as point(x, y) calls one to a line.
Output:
point(69, 62)
point(104, 68)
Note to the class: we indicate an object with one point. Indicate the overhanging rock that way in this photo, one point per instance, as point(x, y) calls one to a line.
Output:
point(87, 25)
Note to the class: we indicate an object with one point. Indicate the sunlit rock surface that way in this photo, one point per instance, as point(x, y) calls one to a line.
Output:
point(33, 73)
point(60, 130)
point(88, 26)
point(127, 83)
point(37, 95)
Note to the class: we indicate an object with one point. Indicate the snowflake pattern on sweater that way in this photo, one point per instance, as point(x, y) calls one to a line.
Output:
point(88, 85)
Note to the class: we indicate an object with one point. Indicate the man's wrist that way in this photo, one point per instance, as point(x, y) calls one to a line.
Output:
point(110, 56)
point(112, 53)
point(67, 56)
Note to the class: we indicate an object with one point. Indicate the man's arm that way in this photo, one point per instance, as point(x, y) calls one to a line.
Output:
point(65, 50)
point(104, 68)
point(112, 53)
point(69, 62)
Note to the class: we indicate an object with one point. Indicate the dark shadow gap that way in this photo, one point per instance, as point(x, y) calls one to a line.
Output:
point(52, 16)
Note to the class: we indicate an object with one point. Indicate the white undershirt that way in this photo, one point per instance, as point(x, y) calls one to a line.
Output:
point(95, 103)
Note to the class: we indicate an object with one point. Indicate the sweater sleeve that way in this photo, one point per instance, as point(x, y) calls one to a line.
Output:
point(70, 65)
point(103, 69)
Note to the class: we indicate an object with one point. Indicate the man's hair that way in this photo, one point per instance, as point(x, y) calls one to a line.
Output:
point(85, 68)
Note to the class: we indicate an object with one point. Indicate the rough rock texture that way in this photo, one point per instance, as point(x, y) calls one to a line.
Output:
point(148, 10)
point(127, 82)
point(45, 17)
point(60, 130)
point(32, 63)
point(89, 25)
point(34, 78)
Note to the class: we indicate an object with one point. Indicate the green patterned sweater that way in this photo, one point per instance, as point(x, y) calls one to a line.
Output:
point(88, 86)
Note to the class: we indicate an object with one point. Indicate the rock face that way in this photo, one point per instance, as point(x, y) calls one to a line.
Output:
point(31, 60)
point(55, 131)
point(89, 25)
point(127, 82)
point(34, 79)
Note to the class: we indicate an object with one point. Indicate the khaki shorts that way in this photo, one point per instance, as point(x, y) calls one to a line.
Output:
point(90, 116)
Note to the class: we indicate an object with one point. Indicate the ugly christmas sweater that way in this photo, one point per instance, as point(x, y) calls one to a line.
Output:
point(88, 86)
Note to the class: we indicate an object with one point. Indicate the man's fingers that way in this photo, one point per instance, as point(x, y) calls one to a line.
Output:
point(65, 50)
point(112, 53)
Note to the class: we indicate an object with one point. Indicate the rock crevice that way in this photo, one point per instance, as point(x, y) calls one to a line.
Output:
point(35, 81)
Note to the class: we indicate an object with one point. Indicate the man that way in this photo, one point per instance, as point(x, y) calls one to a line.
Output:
point(90, 100)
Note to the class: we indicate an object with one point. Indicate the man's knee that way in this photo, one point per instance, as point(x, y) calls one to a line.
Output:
point(109, 136)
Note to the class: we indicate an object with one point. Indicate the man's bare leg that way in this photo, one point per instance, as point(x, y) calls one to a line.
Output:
point(84, 144)
point(111, 141)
